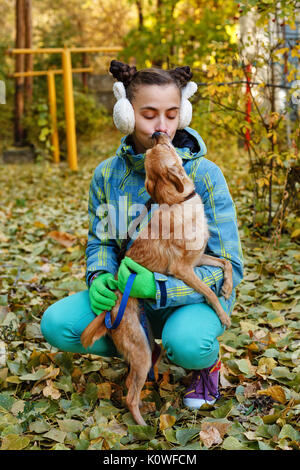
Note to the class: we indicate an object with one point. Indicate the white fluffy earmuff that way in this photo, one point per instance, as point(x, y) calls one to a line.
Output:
point(123, 113)
point(186, 109)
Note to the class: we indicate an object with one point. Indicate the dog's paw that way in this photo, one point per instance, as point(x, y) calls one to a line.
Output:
point(226, 321)
point(226, 289)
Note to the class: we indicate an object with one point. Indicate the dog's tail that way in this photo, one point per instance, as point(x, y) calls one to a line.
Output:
point(95, 330)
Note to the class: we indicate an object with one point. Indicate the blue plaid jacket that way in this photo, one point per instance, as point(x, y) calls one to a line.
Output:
point(116, 190)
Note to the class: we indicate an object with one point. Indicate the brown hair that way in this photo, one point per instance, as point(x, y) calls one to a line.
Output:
point(132, 78)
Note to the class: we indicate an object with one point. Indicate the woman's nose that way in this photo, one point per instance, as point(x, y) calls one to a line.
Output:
point(161, 127)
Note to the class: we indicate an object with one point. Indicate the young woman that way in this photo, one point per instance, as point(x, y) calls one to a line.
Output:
point(153, 100)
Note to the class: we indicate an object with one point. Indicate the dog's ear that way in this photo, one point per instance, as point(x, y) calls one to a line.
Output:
point(149, 185)
point(175, 175)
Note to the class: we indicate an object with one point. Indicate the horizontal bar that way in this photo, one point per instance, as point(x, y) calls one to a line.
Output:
point(96, 49)
point(35, 51)
point(57, 50)
point(47, 72)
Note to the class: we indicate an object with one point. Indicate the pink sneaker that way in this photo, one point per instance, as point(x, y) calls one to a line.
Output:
point(204, 387)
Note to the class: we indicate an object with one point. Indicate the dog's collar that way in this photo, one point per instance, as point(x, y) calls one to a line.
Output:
point(193, 193)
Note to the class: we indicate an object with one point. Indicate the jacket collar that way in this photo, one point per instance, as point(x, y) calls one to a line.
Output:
point(188, 144)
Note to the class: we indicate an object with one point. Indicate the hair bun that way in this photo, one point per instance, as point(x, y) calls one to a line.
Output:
point(182, 75)
point(122, 72)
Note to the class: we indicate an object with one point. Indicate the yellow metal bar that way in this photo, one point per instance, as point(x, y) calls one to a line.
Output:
point(57, 50)
point(96, 49)
point(69, 109)
point(54, 50)
point(52, 108)
point(68, 88)
point(55, 71)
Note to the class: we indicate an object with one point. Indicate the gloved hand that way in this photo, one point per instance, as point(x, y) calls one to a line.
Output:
point(101, 297)
point(144, 286)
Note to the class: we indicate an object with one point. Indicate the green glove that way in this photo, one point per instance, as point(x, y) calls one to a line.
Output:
point(101, 297)
point(144, 286)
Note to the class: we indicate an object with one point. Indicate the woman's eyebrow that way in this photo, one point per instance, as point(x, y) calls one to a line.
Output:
point(155, 109)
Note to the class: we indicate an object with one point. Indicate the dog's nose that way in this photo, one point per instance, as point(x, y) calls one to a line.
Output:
point(156, 136)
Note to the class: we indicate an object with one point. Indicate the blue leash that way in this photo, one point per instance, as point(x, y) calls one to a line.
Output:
point(120, 314)
point(122, 307)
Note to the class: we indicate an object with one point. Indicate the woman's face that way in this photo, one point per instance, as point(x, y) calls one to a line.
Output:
point(156, 109)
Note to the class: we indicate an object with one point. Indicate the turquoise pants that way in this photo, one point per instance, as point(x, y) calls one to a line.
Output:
point(188, 333)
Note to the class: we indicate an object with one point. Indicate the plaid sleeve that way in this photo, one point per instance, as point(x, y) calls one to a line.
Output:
point(101, 251)
point(224, 242)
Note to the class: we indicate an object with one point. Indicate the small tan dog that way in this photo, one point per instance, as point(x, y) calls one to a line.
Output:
point(172, 243)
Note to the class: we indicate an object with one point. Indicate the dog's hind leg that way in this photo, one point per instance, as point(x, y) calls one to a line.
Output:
point(227, 269)
point(187, 275)
point(137, 381)
point(140, 363)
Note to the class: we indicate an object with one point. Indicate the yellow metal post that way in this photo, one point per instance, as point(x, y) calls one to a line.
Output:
point(68, 87)
point(69, 109)
point(52, 108)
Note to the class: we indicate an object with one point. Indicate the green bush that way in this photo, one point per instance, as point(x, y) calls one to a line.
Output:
point(90, 119)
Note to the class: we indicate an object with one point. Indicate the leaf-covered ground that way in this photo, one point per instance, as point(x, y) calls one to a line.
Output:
point(57, 400)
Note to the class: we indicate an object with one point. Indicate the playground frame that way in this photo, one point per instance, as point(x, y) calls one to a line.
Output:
point(67, 71)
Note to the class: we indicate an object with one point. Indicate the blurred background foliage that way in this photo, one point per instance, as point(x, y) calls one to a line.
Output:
point(217, 40)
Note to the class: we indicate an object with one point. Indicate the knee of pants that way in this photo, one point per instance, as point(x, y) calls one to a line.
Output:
point(58, 324)
point(190, 336)
point(51, 324)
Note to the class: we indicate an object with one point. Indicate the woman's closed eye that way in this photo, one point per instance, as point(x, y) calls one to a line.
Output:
point(152, 116)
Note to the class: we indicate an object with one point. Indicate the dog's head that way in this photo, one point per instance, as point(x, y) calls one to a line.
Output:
point(165, 176)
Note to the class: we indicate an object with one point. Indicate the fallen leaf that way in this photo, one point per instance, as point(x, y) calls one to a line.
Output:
point(221, 426)
point(104, 390)
point(148, 407)
point(14, 442)
point(51, 391)
point(251, 389)
point(210, 436)
point(223, 380)
point(265, 366)
point(63, 238)
point(166, 421)
point(276, 392)
point(56, 435)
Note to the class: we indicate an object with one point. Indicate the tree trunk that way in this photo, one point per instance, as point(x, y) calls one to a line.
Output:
point(28, 57)
point(140, 12)
point(19, 67)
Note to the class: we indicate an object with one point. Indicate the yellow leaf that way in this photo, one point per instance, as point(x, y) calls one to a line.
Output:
point(276, 392)
point(104, 390)
point(265, 366)
point(282, 51)
point(39, 224)
point(296, 233)
point(14, 442)
point(248, 326)
point(166, 421)
point(295, 53)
